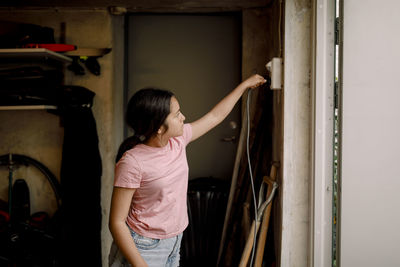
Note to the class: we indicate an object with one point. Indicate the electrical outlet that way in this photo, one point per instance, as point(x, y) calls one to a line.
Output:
point(275, 69)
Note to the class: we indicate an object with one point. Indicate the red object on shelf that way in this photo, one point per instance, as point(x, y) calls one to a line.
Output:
point(4, 216)
point(53, 47)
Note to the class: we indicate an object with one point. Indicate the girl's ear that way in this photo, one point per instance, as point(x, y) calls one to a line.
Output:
point(161, 130)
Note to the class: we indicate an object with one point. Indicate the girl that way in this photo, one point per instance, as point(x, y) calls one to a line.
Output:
point(148, 207)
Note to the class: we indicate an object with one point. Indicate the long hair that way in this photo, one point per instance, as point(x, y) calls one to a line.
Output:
point(147, 111)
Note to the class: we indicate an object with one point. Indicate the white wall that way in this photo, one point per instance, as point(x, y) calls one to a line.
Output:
point(370, 179)
point(297, 132)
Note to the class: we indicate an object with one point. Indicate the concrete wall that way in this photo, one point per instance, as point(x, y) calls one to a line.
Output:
point(297, 132)
point(38, 134)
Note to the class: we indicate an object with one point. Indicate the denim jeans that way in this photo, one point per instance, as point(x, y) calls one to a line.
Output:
point(155, 252)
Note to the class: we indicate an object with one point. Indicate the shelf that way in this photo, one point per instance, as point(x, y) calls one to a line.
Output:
point(88, 52)
point(33, 53)
point(30, 107)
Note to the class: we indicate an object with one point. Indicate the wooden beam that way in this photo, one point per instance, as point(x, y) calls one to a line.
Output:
point(143, 5)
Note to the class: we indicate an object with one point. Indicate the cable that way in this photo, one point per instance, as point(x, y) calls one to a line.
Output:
point(279, 28)
point(251, 176)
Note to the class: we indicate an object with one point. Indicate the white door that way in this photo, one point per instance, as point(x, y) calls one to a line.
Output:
point(370, 171)
point(198, 58)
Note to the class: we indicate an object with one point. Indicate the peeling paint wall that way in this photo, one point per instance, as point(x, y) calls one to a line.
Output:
point(297, 132)
point(38, 134)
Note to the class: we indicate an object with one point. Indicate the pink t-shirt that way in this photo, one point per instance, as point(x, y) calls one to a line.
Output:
point(160, 176)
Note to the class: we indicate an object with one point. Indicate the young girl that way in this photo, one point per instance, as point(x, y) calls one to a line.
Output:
point(148, 207)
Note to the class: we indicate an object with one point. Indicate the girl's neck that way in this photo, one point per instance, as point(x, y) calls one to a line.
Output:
point(157, 141)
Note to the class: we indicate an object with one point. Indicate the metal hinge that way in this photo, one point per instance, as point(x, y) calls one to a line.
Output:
point(336, 96)
point(337, 30)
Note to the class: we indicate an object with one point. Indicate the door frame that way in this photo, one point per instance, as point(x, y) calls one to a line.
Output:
point(323, 89)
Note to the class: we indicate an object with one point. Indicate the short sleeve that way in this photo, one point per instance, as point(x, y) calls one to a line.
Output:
point(187, 133)
point(127, 172)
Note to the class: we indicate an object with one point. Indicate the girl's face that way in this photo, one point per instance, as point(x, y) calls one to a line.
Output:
point(174, 120)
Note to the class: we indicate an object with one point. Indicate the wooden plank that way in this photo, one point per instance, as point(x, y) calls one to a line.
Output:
point(88, 52)
point(265, 221)
point(142, 4)
point(257, 223)
point(29, 107)
point(249, 244)
point(33, 53)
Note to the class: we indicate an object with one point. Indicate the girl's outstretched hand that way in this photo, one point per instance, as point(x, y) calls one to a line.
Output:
point(254, 81)
point(218, 113)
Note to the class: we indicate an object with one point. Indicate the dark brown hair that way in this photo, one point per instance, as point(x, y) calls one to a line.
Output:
point(147, 111)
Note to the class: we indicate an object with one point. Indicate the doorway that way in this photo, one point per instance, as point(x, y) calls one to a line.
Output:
point(198, 58)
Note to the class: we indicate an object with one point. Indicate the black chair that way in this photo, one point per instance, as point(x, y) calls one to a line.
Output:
point(207, 199)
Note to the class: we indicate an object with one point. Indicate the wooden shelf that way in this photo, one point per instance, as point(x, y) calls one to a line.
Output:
point(33, 53)
point(88, 52)
point(30, 107)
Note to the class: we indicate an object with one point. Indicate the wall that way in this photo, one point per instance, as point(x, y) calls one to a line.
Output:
point(369, 201)
point(38, 134)
point(297, 132)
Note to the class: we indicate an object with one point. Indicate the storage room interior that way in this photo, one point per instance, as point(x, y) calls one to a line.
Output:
point(82, 158)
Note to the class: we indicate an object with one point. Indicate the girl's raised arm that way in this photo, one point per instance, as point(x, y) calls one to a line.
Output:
point(218, 113)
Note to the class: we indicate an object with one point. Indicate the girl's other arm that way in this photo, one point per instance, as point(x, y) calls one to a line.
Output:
point(120, 205)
